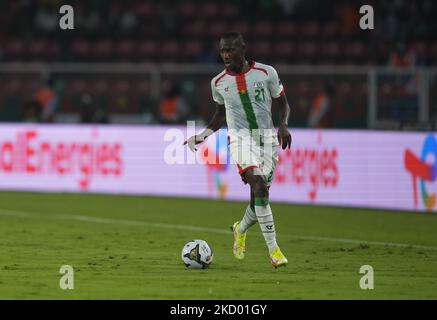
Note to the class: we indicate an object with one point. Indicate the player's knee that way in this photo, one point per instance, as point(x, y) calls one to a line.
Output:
point(260, 187)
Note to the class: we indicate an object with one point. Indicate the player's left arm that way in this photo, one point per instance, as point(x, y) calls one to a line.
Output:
point(279, 101)
point(284, 135)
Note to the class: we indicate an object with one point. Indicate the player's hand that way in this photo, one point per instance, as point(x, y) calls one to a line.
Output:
point(193, 141)
point(284, 137)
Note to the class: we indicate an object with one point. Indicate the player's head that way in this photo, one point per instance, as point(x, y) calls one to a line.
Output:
point(233, 50)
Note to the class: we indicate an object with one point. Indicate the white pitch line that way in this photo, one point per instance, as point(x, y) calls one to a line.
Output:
point(14, 213)
point(24, 214)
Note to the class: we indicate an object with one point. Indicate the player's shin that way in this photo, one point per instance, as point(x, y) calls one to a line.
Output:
point(249, 219)
point(266, 223)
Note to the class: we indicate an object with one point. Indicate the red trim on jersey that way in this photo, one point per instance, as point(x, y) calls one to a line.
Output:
point(241, 83)
point(241, 170)
point(218, 79)
point(282, 93)
point(251, 65)
point(261, 69)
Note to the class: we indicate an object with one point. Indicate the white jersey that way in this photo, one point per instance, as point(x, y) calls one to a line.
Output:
point(248, 96)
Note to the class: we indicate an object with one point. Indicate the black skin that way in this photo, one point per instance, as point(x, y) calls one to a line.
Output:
point(233, 54)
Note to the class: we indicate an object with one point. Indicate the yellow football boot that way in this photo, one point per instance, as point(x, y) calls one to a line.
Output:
point(278, 259)
point(239, 242)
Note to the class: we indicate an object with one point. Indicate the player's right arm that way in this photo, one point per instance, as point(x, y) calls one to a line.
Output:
point(217, 121)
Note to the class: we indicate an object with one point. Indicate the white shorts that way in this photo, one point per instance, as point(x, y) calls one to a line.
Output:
point(248, 153)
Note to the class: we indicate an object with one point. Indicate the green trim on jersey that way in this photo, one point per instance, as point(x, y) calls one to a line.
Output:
point(245, 100)
point(248, 109)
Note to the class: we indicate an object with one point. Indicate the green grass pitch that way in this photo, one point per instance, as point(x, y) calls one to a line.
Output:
point(128, 247)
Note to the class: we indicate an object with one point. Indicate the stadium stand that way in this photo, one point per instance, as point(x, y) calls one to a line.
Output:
point(145, 30)
point(281, 32)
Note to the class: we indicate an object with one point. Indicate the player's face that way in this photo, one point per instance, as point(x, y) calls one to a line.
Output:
point(232, 52)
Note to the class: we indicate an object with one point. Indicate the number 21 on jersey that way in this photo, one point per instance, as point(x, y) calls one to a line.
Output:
point(259, 95)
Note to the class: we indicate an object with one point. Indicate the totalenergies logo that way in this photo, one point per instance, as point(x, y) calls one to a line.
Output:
point(32, 154)
point(422, 171)
point(314, 167)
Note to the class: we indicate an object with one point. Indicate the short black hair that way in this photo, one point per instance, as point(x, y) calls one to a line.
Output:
point(233, 35)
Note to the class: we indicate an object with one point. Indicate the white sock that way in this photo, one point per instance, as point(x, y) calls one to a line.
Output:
point(267, 225)
point(248, 220)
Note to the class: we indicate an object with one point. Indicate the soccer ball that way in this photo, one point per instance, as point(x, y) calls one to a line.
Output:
point(197, 254)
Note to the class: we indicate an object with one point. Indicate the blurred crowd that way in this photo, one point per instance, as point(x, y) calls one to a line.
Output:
point(278, 32)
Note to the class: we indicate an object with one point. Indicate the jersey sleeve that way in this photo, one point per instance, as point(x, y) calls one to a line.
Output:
point(275, 86)
point(216, 96)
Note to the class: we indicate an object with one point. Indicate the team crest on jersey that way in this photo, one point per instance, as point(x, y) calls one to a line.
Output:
point(258, 84)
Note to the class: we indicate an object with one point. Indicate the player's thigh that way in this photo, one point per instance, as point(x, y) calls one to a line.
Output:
point(269, 160)
point(255, 178)
point(244, 154)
